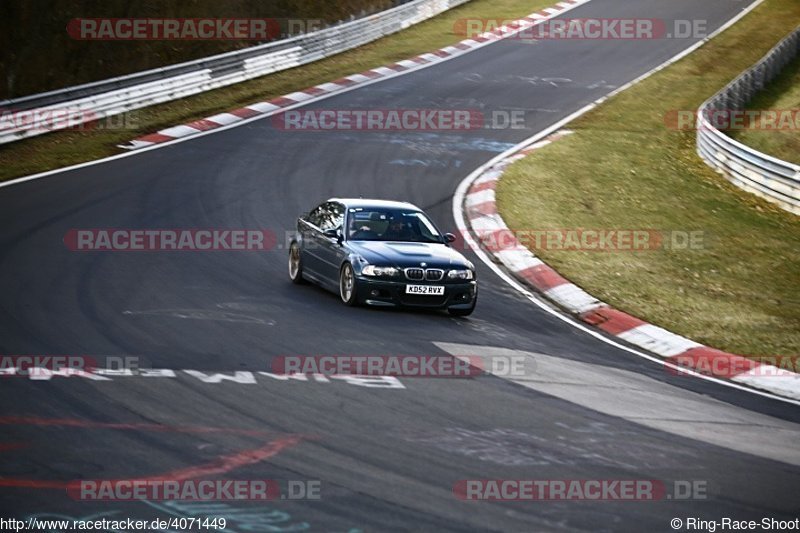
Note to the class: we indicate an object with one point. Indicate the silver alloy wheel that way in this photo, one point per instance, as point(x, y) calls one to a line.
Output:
point(346, 283)
point(294, 261)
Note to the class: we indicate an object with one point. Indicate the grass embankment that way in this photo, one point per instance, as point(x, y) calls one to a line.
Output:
point(624, 168)
point(783, 95)
point(59, 149)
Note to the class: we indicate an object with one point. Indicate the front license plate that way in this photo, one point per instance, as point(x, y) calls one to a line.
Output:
point(429, 290)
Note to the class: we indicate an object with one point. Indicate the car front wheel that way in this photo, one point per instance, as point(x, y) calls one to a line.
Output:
point(347, 285)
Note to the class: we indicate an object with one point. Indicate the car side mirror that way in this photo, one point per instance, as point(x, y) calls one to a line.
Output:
point(334, 233)
point(449, 237)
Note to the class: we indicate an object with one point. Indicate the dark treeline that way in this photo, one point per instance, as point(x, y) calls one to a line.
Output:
point(37, 54)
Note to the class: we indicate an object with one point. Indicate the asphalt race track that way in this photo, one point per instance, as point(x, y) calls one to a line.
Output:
point(387, 458)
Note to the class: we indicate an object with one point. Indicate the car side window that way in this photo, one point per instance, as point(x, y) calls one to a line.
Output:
point(331, 216)
point(315, 216)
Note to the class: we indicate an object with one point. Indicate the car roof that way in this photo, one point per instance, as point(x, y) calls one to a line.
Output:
point(374, 203)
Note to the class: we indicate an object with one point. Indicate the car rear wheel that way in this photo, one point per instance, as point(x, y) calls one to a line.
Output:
point(347, 285)
point(295, 264)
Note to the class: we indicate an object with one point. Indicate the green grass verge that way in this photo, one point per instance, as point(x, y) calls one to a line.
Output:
point(782, 94)
point(623, 168)
point(59, 149)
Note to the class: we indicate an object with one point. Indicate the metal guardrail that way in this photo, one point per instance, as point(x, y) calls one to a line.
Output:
point(93, 101)
point(766, 176)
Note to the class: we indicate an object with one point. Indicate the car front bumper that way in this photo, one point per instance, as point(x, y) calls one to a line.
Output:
point(391, 293)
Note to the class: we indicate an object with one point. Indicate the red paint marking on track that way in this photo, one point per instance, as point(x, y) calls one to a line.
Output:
point(7, 446)
point(32, 483)
point(227, 463)
point(221, 465)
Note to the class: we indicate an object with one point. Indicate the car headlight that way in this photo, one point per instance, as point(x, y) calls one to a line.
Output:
point(461, 274)
point(378, 271)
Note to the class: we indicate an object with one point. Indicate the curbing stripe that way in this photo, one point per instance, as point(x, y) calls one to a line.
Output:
point(329, 87)
point(204, 124)
point(542, 277)
point(612, 321)
point(224, 118)
point(517, 261)
point(314, 91)
point(358, 78)
point(658, 340)
point(772, 378)
point(480, 197)
point(345, 82)
point(299, 96)
point(716, 362)
point(383, 71)
point(263, 107)
point(488, 228)
point(282, 101)
point(485, 185)
point(245, 112)
point(179, 131)
point(573, 298)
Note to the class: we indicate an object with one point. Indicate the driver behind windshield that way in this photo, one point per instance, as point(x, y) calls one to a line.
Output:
point(398, 230)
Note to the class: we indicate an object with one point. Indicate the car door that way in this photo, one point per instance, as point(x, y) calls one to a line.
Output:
point(331, 250)
point(311, 232)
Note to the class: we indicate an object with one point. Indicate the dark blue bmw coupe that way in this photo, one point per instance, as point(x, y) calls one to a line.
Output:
point(378, 252)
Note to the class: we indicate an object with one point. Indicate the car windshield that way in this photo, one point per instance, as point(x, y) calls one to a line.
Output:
point(384, 224)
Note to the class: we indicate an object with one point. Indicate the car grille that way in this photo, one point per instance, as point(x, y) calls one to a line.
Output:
point(415, 274)
point(434, 274)
point(419, 274)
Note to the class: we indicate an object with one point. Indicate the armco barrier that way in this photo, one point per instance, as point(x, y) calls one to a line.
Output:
point(769, 177)
point(101, 99)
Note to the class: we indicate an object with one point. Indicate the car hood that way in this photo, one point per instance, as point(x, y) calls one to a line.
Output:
point(406, 254)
